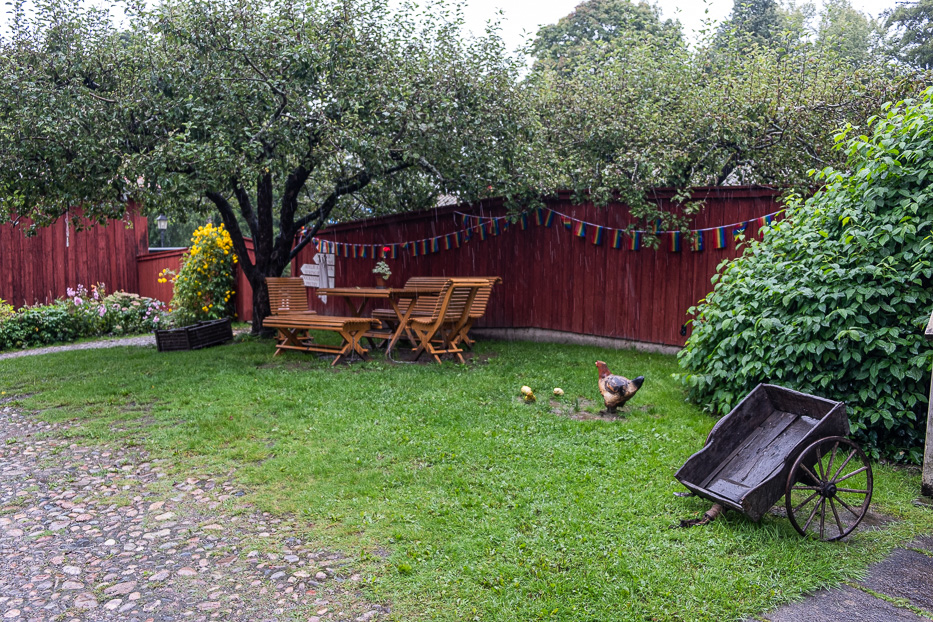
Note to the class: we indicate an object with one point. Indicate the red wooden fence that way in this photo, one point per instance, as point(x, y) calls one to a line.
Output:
point(149, 266)
point(40, 269)
point(554, 280)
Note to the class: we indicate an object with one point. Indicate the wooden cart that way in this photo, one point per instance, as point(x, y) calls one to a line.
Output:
point(781, 442)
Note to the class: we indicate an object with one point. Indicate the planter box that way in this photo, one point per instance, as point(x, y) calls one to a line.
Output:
point(196, 336)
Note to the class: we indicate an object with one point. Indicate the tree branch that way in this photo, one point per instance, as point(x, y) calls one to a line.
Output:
point(246, 205)
point(229, 218)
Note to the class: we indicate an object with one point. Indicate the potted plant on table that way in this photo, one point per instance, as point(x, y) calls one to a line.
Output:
point(382, 272)
point(202, 302)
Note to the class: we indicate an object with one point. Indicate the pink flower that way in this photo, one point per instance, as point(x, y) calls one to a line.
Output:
point(70, 292)
point(78, 301)
point(101, 310)
point(155, 319)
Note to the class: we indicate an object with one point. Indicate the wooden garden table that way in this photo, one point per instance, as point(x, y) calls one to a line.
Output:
point(393, 295)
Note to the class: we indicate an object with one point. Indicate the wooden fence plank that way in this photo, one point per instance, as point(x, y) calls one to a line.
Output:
point(553, 279)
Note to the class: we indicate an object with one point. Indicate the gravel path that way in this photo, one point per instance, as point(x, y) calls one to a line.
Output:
point(145, 340)
point(96, 533)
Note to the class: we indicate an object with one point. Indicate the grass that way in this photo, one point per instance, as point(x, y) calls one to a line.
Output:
point(463, 501)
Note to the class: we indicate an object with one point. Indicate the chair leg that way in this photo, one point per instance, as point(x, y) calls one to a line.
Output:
point(420, 349)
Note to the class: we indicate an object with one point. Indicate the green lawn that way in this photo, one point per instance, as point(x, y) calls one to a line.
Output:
point(489, 508)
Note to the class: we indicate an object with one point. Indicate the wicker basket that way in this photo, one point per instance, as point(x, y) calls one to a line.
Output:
point(196, 336)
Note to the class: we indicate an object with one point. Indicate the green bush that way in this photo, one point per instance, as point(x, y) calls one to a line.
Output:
point(834, 300)
point(36, 326)
point(82, 314)
point(204, 287)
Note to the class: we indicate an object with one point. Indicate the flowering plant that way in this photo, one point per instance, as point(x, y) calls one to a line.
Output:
point(130, 313)
point(83, 313)
point(383, 270)
point(86, 308)
point(204, 286)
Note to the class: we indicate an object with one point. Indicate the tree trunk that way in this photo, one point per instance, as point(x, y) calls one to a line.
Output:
point(261, 307)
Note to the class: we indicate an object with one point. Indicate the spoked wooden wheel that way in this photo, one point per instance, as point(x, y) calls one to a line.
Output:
point(828, 489)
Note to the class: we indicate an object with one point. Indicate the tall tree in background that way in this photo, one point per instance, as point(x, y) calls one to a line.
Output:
point(644, 113)
point(911, 28)
point(853, 35)
point(600, 23)
point(754, 22)
point(272, 114)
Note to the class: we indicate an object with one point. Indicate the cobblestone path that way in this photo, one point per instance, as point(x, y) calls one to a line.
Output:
point(90, 533)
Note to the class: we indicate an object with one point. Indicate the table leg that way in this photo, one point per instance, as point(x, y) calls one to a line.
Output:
point(402, 324)
point(355, 310)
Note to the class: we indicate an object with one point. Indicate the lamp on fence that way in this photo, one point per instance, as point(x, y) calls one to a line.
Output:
point(162, 224)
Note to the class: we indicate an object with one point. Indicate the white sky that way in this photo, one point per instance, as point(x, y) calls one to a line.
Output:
point(522, 18)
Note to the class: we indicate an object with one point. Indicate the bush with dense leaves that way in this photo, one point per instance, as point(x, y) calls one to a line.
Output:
point(84, 313)
point(834, 300)
point(204, 287)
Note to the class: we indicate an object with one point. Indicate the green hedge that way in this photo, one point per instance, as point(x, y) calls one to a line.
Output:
point(834, 300)
point(83, 314)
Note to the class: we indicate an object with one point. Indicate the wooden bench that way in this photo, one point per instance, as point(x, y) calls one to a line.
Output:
point(293, 333)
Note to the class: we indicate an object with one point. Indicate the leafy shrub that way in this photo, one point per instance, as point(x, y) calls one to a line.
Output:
point(36, 326)
point(84, 313)
point(128, 314)
point(834, 300)
point(204, 287)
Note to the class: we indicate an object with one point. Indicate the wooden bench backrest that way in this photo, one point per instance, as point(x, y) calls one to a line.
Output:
point(287, 295)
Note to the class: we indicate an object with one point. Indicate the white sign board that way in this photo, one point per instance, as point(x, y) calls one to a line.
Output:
point(320, 273)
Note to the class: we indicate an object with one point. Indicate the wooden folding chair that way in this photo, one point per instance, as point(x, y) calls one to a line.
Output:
point(477, 311)
point(451, 313)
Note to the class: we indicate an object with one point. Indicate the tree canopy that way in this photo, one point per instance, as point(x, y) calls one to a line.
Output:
point(648, 111)
point(911, 25)
point(600, 23)
point(855, 36)
point(274, 114)
point(755, 21)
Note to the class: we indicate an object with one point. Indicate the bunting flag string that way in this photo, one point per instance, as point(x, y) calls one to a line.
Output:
point(483, 227)
point(720, 240)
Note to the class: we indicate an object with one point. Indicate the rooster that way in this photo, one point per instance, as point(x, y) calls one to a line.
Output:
point(616, 390)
